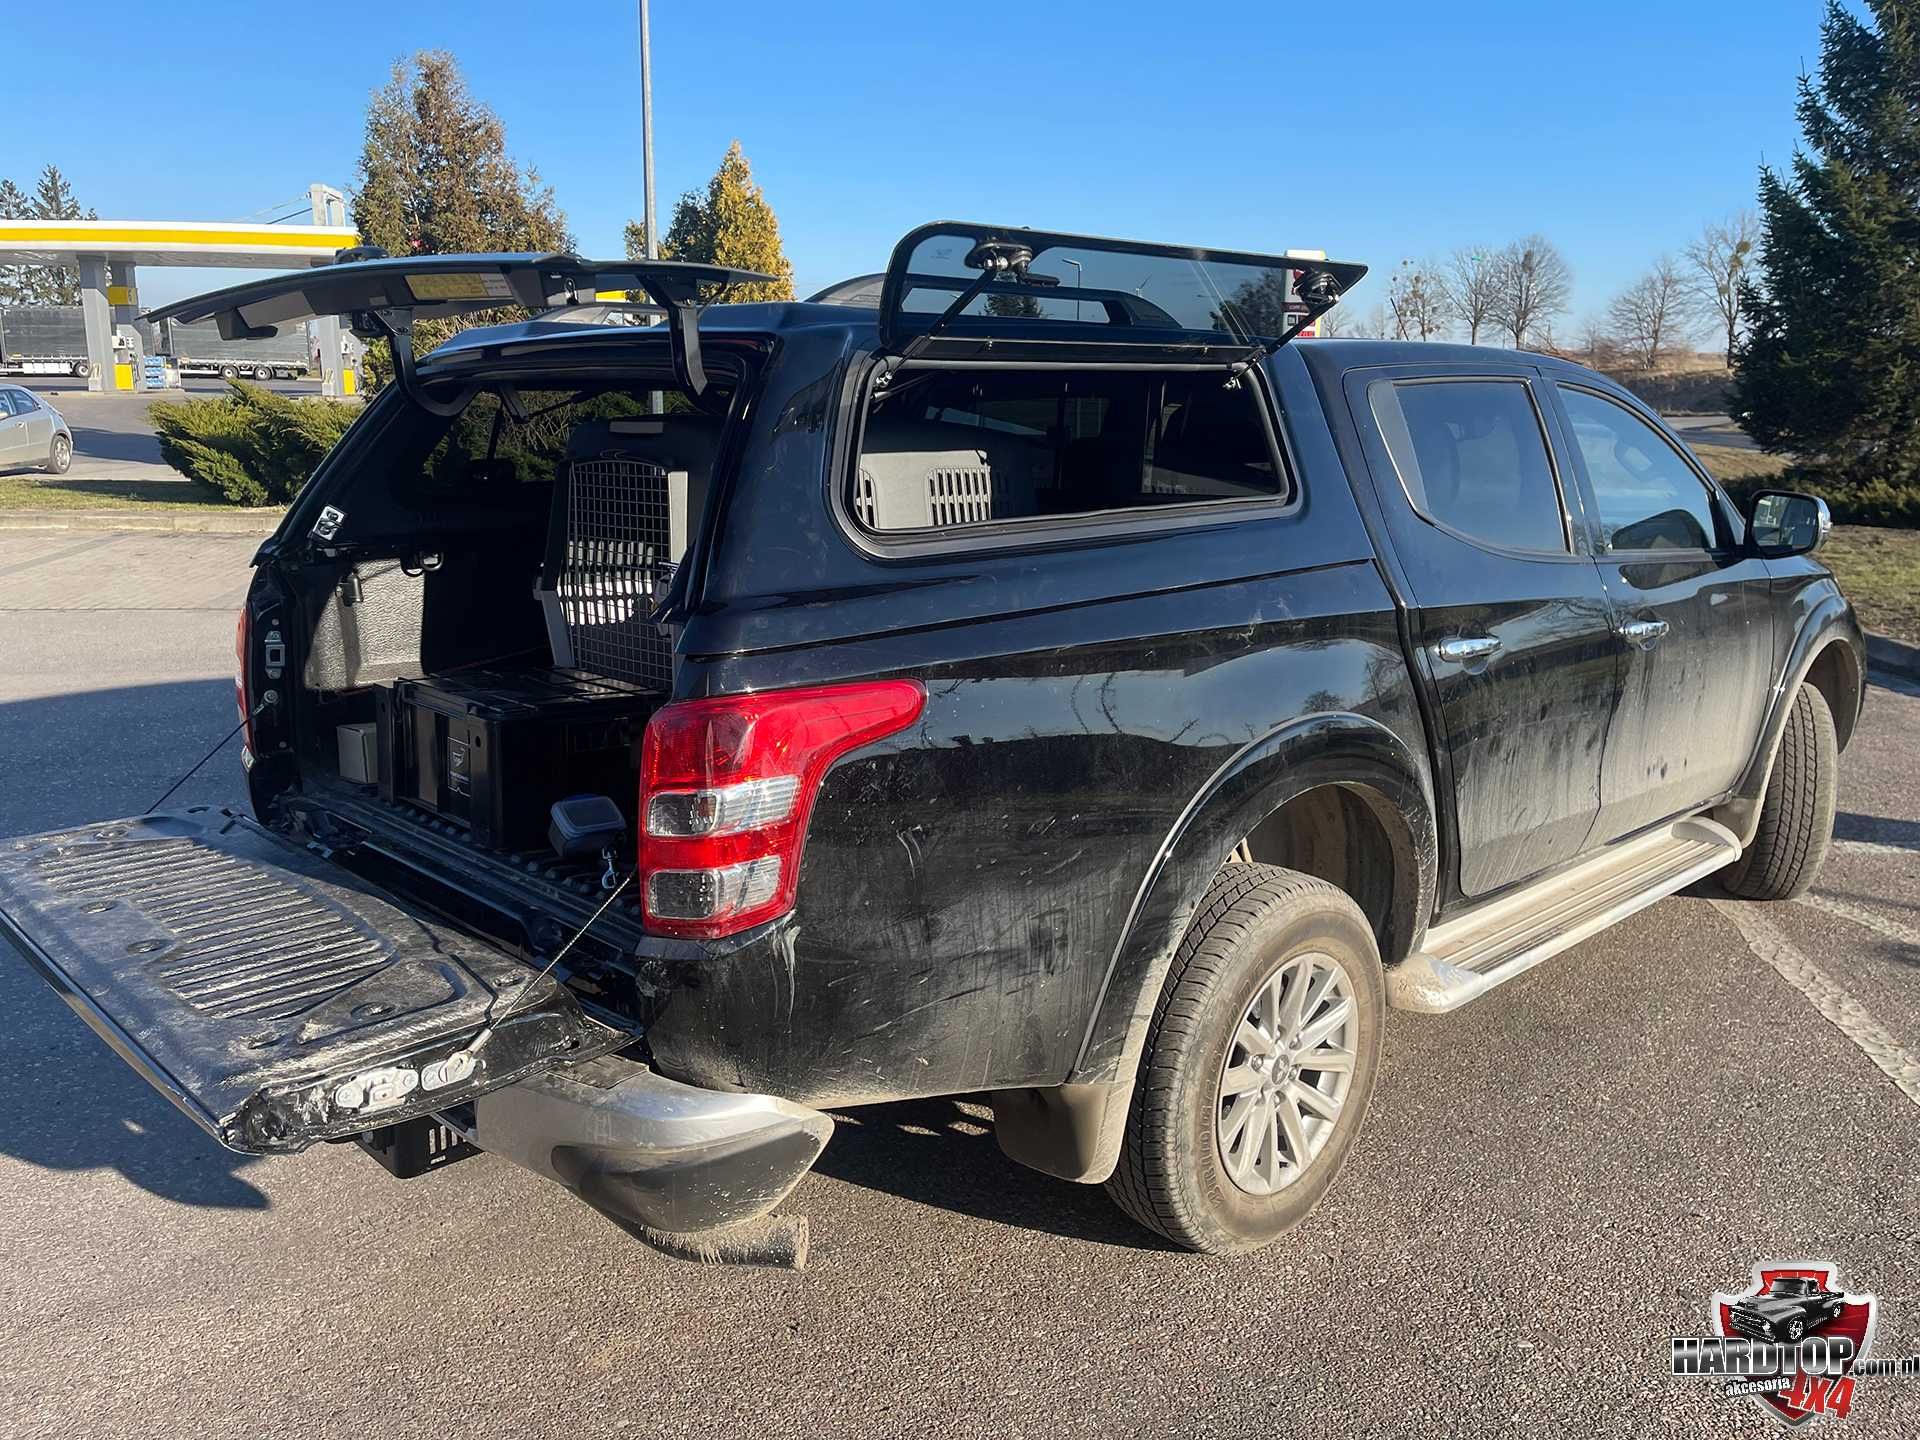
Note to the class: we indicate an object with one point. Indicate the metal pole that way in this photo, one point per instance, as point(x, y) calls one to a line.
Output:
point(656, 400)
point(646, 129)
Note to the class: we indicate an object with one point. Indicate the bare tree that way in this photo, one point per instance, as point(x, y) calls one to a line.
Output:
point(1649, 316)
point(1717, 261)
point(1416, 297)
point(1534, 285)
point(1471, 288)
point(1376, 324)
point(1597, 347)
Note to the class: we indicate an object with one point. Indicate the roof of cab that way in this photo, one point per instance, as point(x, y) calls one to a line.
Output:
point(760, 318)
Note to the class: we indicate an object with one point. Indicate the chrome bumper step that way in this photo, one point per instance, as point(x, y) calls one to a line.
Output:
point(1466, 957)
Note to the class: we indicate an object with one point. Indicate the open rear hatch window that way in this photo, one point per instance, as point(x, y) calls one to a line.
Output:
point(272, 995)
point(957, 289)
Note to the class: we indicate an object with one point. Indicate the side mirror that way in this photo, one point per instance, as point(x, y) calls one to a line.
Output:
point(1786, 522)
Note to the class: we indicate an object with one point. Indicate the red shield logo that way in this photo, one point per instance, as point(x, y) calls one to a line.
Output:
point(1787, 1304)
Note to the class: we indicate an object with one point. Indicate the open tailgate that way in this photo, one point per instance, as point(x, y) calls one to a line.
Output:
point(275, 997)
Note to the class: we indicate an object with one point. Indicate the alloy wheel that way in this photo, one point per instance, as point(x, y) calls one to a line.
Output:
point(1284, 1084)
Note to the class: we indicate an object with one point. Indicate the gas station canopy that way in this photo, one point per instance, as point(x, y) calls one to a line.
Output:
point(171, 242)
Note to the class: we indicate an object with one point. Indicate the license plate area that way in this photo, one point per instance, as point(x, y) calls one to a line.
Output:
point(275, 997)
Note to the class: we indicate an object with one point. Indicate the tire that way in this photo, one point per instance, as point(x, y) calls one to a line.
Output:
point(1796, 815)
point(261, 372)
point(59, 455)
point(1796, 1330)
point(1173, 1176)
point(229, 372)
point(82, 369)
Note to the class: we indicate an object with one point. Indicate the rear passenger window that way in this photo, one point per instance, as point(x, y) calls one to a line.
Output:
point(1472, 457)
point(947, 448)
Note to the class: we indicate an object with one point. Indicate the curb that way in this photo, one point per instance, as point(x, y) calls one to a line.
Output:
point(1886, 653)
point(191, 522)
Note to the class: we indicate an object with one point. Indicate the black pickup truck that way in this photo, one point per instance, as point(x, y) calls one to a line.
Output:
point(1043, 677)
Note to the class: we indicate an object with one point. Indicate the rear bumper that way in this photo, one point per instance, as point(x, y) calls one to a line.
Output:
point(650, 1151)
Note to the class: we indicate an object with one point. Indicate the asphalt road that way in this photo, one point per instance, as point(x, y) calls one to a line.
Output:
point(113, 437)
point(1551, 1182)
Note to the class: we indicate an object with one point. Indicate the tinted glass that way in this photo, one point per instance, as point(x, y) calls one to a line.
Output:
point(1647, 496)
point(6, 404)
point(1086, 285)
point(943, 448)
point(1472, 457)
point(24, 403)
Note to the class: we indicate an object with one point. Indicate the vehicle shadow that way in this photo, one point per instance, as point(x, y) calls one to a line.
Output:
point(179, 492)
point(72, 1104)
point(937, 1153)
point(1877, 830)
point(92, 443)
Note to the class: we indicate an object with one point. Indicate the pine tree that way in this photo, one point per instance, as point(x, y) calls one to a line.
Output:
point(15, 282)
point(435, 178)
point(53, 200)
point(731, 224)
point(1831, 360)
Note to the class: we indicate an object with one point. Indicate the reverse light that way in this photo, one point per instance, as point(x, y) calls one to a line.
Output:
point(727, 787)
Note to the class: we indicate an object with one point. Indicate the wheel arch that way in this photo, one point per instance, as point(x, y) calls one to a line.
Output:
point(1075, 1130)
point(1829, 653)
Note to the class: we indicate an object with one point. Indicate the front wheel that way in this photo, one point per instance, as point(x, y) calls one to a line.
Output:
point(1259, 1063)
point(1796, 816)
point(59, 455)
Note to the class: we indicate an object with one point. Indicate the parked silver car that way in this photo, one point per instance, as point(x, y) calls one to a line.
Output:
point(32, 432)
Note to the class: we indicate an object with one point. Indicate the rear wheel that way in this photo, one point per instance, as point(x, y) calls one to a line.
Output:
point(1259, 1064)
point(261, 372)
point(1796, 817)
point(59, 455)
point(229, 372)
point(82, 369)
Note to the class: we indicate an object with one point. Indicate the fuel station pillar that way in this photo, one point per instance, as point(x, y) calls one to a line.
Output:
point(96, 313)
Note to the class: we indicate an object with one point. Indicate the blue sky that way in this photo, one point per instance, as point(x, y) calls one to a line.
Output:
point(1375, 133)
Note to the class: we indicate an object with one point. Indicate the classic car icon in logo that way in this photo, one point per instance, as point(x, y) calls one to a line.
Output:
point(1790, 1308)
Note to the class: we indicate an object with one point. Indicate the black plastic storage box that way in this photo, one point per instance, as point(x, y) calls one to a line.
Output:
point(493, 749)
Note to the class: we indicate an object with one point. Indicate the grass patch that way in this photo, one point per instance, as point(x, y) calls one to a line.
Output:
point(21, 490)
point(1880, 571)
point(1729, 465)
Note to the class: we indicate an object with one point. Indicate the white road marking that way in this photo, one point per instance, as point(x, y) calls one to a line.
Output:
point(1891, 929)
point(1835, 1005)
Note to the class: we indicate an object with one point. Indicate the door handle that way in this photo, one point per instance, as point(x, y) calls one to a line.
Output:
point(1644, 633)
point(1467, 650)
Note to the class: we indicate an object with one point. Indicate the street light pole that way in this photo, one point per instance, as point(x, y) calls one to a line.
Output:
point(646, 130)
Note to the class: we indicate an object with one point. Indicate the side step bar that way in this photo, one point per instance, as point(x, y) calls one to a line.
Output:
point(1464, 958)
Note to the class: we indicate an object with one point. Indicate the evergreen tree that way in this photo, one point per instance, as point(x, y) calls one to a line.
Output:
point(434, 178)
point(15, 282)
point(731, 224)
point(1830, 364)
point(53, 200)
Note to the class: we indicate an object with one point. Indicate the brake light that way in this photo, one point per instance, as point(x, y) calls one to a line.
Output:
point(727, 787)
point(242, 681)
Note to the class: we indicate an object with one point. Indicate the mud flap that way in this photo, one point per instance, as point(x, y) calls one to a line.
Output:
point(274, 996)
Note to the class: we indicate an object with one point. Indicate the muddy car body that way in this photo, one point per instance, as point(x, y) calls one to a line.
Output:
point(1071, 695)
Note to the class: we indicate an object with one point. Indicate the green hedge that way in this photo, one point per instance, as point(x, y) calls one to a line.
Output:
point(1873, 502)
point(253, 446)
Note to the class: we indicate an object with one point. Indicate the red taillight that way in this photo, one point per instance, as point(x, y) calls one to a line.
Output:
point(242, 677)
point(727, 786)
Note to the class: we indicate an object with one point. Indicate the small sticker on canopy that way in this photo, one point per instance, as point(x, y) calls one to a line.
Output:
point(476, 285)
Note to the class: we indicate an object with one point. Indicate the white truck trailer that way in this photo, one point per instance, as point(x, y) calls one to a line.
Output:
point(43, 340)
point(199, 350)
